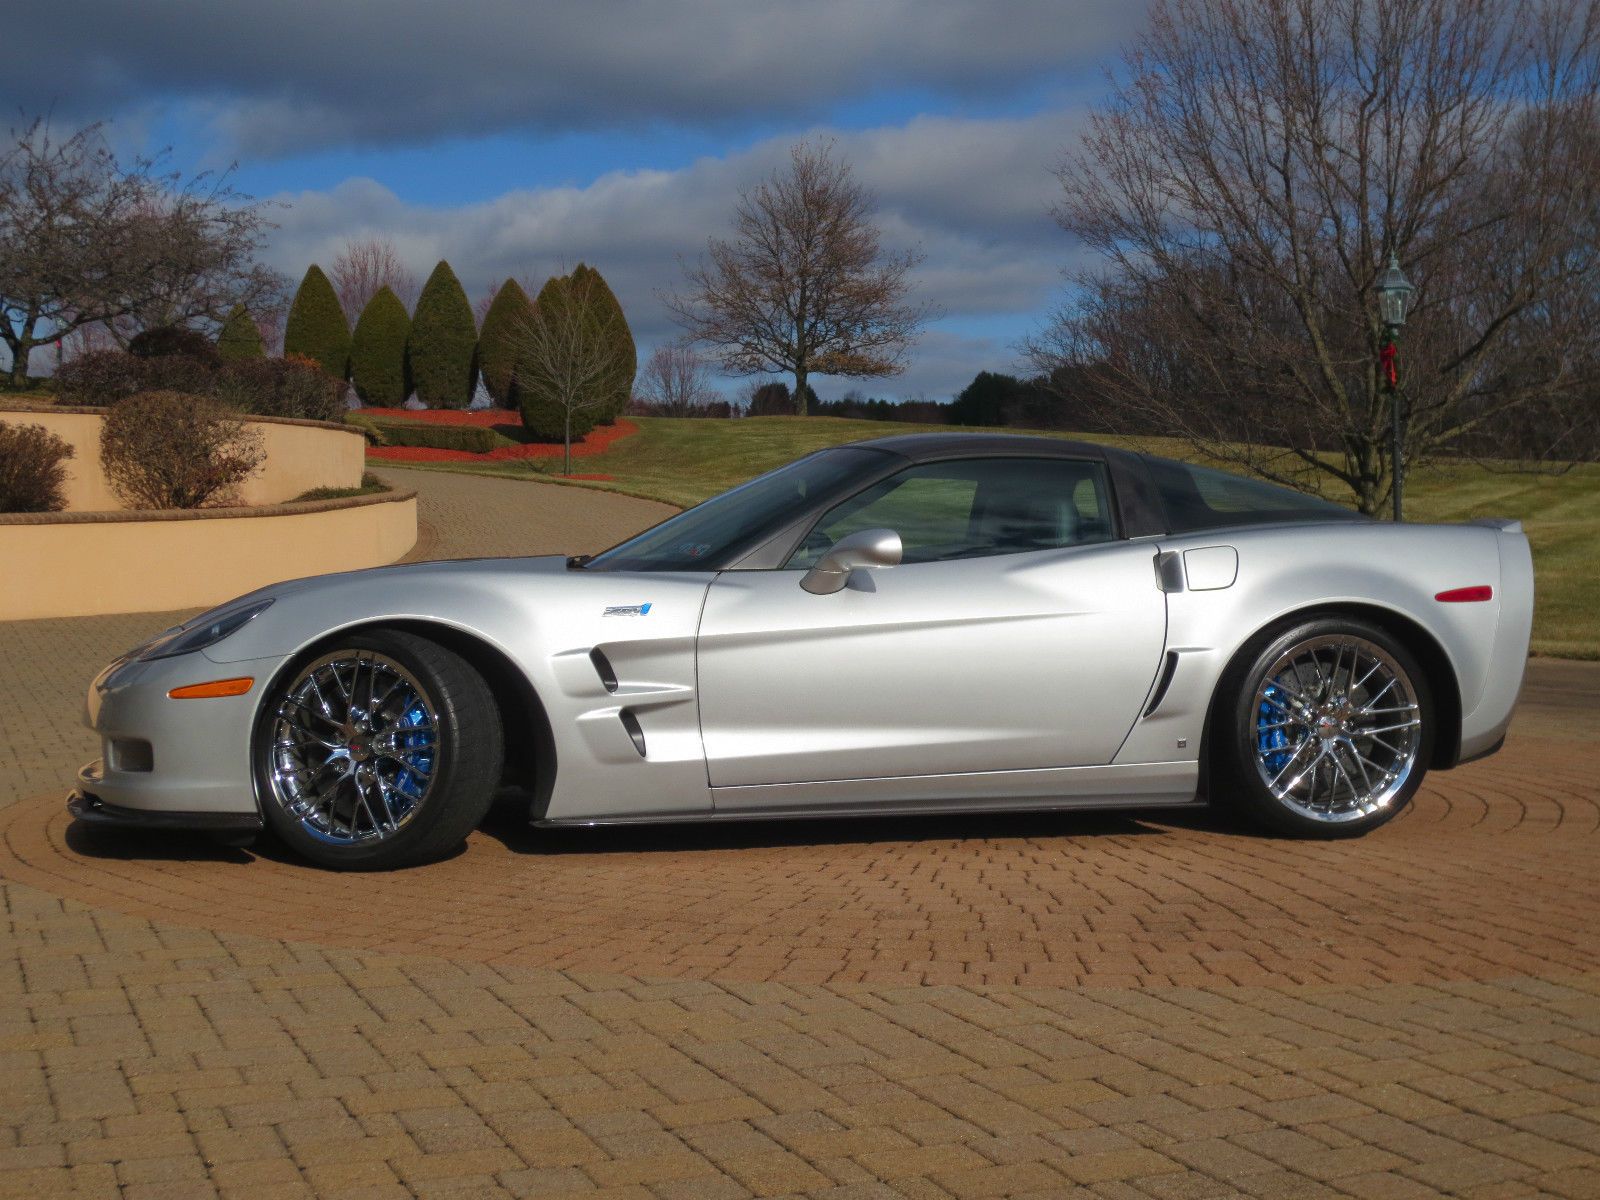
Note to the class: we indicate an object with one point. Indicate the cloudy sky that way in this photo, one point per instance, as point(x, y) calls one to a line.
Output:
point(518, 138)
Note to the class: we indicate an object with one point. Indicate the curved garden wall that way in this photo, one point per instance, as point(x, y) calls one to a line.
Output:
point(301, 455)
point(86, 564)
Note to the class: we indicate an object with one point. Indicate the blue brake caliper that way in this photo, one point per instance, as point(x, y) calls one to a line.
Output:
point(1272, 744)
point(419, 748)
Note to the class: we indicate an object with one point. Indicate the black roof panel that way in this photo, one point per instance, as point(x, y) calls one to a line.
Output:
point(931, 447)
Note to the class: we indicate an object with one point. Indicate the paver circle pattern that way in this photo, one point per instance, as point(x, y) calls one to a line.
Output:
point(1488, 875)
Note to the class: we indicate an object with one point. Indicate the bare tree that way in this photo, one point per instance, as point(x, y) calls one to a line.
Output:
point(569, 367)
point(364, 266)
point(197, 242)
point(1259, 162)
point(86, 240)
point(66, 211)
point(804, 286)
point(675, 382)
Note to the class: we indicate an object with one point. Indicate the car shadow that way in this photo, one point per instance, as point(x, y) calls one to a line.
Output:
point(507, 823)
point(124, 844)
point(127, 844)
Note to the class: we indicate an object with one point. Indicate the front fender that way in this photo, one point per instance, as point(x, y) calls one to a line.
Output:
point(548, 621)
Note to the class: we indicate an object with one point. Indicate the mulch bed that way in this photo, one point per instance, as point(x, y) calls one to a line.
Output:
point(597, 441)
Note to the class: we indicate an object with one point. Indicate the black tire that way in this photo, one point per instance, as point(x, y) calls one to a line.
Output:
point(1243, 711)
point(464, 760)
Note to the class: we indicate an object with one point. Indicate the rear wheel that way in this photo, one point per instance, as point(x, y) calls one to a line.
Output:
point(1327, 730)
point(381, 752)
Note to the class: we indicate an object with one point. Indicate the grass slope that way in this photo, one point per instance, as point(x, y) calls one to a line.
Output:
point(686, 461)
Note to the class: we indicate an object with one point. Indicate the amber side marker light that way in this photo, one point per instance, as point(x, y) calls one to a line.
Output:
point(210, 691)
point(1467, 595)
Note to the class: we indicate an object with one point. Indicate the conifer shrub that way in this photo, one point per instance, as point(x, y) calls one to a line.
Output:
point(506, 319)
point(608, 312)
point(317, 327)
point(543, 415)
point(239, 337)
point(443, 346)
point(378, 352)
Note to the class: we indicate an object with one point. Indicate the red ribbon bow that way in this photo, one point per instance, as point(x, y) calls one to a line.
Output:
point(1388, 358)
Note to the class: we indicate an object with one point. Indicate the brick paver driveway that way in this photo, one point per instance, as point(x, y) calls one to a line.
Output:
point(1038, 1005)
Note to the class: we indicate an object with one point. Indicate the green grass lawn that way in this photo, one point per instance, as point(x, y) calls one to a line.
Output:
point(685, 461)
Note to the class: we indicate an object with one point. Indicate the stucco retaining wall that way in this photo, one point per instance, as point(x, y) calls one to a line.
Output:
point(301, 455)
point(88, 564)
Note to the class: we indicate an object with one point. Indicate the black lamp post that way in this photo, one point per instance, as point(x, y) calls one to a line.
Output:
point(1394, 293)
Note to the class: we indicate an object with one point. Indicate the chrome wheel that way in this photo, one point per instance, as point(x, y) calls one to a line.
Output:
point(1337, 728)
point(354, 748)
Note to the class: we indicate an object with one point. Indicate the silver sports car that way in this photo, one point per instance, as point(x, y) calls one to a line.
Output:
point(917, 624)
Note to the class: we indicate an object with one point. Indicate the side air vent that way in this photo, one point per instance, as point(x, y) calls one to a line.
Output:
point(1168, 670)
point(631, 724)
point(602, 668)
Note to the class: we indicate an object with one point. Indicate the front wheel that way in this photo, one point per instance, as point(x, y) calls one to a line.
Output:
point(1327, 730)
point(381, 752)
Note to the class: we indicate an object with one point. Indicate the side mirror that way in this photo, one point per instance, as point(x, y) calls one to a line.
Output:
point(865, 548)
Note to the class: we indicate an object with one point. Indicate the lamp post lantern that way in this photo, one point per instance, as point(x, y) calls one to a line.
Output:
point(1394, 293)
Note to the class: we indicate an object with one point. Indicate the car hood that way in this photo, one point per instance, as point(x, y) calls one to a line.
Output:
point(480, 595)
point(400, 575)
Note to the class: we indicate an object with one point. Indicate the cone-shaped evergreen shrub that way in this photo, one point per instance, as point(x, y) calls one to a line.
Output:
point(508, 316)
point(543, 413)
point(609, 312)
point(443, 347)
point(317, 328)
point(239, 337)
point(378, 352)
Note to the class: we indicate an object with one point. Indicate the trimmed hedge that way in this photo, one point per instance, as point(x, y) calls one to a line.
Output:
point(508, 315)
point(378, 352)
point(368, 427)
point(443, 346)
point(475, 439)
point(171, 341)
point(317, 327)
point(104, 377)
point(279, 387)
point(239, 337)
point(371, 485)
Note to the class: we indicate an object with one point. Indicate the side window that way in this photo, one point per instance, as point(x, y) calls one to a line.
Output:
point(970, 508)
point(1198, 498)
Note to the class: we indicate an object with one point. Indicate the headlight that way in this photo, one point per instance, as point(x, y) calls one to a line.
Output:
point(205, 630)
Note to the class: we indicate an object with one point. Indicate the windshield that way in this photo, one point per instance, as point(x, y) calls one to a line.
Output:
point(701, 538)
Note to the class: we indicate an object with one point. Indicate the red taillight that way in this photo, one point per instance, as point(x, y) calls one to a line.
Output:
point(1467, 595)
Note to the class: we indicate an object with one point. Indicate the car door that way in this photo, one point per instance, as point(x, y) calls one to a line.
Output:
point(1017, 633)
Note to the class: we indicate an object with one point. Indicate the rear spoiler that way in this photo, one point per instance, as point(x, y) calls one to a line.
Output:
point(1503, 524)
